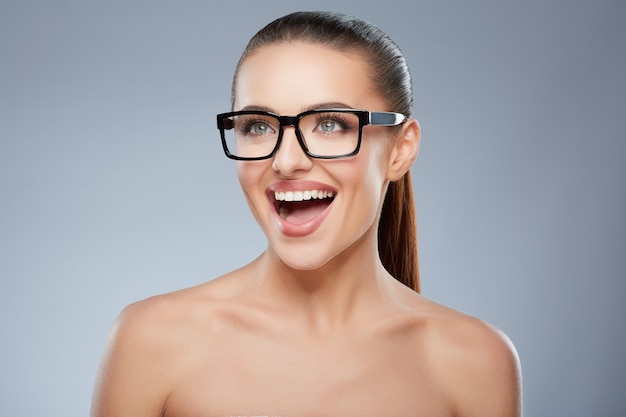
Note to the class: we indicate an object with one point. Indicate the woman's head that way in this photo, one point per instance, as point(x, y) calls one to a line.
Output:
point(341, 44)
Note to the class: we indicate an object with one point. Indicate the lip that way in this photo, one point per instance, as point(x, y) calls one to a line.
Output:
point(301, 229)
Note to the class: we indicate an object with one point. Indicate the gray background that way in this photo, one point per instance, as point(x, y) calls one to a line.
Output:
point(113, 186)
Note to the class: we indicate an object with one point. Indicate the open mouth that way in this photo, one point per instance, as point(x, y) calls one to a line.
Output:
point(299, 207)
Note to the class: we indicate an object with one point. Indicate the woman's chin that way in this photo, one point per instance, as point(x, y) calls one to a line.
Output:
point(304, 261)
point(304, 265)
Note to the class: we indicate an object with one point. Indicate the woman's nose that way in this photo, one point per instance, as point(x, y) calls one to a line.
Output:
point(290, 157)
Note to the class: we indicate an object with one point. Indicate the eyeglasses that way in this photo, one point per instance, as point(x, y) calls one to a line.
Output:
point(252, 135)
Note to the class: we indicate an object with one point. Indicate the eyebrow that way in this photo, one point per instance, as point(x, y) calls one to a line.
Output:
point(317, 106)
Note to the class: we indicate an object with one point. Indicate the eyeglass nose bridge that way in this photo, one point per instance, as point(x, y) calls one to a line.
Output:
point(284, 121)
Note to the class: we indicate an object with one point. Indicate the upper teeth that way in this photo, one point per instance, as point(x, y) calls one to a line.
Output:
point(302, 195)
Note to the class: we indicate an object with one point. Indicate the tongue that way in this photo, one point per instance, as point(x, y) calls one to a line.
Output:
point(301, 212)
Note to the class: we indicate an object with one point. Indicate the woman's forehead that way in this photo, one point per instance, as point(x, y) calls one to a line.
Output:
point(300, 72)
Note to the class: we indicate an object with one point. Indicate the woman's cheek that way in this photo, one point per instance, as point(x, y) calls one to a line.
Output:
point(249, 174)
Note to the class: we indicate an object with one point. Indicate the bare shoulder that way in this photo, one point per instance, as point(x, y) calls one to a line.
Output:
point(159, 322)
point(131, 379)
point(474, 362)
point(143, 353)
point(165, 311)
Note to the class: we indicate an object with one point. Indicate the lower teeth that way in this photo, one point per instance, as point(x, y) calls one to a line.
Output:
point(283, 212)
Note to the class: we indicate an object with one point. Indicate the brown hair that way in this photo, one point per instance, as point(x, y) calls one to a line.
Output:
point(397, 234)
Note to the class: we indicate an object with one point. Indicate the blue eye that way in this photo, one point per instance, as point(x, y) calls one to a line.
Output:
point(334, 122)
point(259, 128)
point(329, 125)
point(249, 126)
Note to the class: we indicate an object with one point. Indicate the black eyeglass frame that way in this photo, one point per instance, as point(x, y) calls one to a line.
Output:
point(374, 118)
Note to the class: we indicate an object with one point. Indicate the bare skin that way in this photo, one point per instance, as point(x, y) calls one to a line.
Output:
point(230, 348)
point(315, 326)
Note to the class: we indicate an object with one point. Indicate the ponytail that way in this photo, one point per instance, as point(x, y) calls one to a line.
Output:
point(397, 233)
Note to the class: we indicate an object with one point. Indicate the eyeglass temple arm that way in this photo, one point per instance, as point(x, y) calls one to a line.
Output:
point(386, 118)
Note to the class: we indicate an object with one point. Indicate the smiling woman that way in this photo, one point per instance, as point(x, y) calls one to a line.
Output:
point(328, 320)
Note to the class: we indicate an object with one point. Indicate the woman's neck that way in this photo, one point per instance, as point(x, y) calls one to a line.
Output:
point(342, 290)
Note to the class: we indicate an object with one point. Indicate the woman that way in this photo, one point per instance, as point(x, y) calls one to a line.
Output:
point(317, 324)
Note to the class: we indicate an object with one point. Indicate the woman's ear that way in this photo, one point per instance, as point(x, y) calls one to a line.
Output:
point(404, 150)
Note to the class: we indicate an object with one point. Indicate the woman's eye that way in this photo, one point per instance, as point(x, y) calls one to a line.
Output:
point(259, 128)
point(329, 125)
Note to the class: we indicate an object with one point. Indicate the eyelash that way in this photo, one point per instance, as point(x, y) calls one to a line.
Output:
point(246, 128)
point(342, 121)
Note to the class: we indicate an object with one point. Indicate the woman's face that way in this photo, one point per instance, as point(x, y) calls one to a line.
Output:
point(289, 78)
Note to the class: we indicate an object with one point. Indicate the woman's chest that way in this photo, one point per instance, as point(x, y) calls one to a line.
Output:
point(296, 379)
